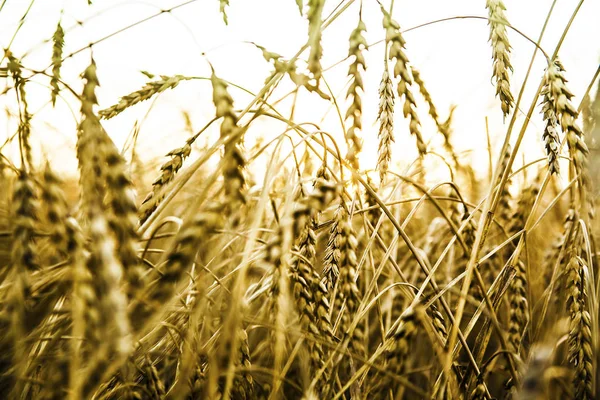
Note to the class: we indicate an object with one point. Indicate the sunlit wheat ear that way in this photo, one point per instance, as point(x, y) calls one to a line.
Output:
point(58, 41)
point(56, 212)
point(145, 93)
point(178, 259)
point(500, 53)
point(104, 173)
point(289, 68)
point(233, 158)
point(310, 295)
point(581, 355)
point(443, 127)
point(222, 5)
point(426, 95)
point(386, 124)
point(354, 112)
point(567, 114)
point(402, 72)
point(550, 135)
point(305, 223)
point(88, 154)
point(302, 266)
point(315, 9)
point(167, 173)
point(15, 68)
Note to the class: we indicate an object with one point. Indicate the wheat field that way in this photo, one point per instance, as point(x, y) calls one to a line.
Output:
point(279, 267)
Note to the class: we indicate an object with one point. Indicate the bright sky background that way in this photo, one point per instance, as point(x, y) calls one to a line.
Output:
point(454, 58)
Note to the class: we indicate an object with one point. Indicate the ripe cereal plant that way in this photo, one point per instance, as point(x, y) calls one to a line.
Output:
point(262, 259)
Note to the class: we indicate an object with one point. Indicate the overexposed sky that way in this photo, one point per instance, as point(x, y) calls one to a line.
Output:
point(454, 58)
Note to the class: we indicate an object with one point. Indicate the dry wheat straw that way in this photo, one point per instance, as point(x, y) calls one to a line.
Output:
point(500, 53)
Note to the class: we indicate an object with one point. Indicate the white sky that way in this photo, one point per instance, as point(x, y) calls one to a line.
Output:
point(454, 59)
